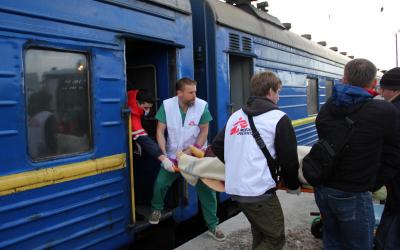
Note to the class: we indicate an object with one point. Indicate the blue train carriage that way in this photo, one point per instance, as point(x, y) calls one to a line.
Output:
point(65, 180)
point(232, 42)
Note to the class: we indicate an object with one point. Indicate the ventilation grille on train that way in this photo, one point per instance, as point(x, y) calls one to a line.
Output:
point(241, 44)
point(234, 42)
point(246, 44)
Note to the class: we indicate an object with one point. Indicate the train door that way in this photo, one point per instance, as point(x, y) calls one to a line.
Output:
point(240, 71)
point(149, 66)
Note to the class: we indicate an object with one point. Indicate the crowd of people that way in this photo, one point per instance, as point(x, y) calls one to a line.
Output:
point(259, 149)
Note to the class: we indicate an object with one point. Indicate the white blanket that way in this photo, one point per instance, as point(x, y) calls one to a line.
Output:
point(193, 168)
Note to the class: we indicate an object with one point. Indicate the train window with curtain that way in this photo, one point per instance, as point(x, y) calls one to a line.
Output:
point(312, 96)
point(328, 89)
point(57, 103)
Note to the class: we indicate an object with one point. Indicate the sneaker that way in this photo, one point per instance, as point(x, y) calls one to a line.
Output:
point(217, 234)
point(155, 217)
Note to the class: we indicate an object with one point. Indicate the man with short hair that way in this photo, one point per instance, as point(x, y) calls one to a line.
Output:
point(344, 198)
point(140, 102)
point(249, 178)
point(388, 232)
point(186, 118)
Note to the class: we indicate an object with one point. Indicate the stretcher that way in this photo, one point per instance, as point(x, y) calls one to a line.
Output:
point(205, 168)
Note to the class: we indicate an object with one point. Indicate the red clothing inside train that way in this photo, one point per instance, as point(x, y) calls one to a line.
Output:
point(136, 115)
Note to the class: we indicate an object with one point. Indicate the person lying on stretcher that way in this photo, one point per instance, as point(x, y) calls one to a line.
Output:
point(211, 170)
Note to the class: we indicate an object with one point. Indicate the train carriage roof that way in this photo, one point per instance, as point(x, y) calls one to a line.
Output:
point(264, 25)
point(182, 5)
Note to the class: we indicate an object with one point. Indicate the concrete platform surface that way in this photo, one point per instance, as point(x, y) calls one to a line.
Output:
point(296, 210)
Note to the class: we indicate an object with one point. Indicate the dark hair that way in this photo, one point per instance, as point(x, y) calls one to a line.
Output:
point(360, 72)
point(261, 83)
point(184, 81)
point(145, 96)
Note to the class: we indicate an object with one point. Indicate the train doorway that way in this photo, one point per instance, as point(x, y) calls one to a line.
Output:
point(240, 71)
point(150, 66)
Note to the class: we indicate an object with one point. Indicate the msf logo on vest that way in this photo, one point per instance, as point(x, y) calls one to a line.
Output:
point(240, 127)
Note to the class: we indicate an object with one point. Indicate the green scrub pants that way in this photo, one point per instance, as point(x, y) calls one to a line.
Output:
point(207, 196)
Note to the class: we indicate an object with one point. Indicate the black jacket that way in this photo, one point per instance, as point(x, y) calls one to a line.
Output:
point(393, 186)
point(372, 148)
point(285, 141)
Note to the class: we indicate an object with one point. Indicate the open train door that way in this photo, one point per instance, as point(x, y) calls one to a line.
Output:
point(150, 66)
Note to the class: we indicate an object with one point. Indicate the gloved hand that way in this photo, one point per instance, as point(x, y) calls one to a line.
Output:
point(168, 165)
point(294, 191)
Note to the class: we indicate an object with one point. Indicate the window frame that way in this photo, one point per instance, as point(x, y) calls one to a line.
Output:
point(332, 83)
point(316, 95)
point(90, 133)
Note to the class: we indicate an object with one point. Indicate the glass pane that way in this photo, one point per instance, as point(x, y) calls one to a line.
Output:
point(328, 89)
point(57, 101)
point(312, 96)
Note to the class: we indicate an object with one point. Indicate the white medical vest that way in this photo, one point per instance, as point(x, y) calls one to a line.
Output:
point(246, 168)
point(182, 136)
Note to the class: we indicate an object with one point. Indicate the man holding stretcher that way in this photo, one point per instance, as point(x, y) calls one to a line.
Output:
point(186, 119)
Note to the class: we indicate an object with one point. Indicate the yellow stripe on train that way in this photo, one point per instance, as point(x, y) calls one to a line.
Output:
point(44, 177)
point(303, 121)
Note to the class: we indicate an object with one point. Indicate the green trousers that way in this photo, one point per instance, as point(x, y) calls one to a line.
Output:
point(207, 196)
point(267, 224)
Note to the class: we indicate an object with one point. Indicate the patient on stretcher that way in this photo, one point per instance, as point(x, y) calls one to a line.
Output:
point(211, 170)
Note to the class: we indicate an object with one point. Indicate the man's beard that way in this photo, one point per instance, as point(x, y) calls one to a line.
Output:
point(190, 103)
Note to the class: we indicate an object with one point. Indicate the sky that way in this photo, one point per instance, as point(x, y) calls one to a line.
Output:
point(357, 27)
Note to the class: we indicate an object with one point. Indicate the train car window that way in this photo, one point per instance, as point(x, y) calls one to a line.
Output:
point(239, 73)
point(328, 89)
point(312, 96)
point(57, 103)
point(291, 78)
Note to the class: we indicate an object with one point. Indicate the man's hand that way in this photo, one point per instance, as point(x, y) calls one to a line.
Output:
point(294, 191)
point(168, 165)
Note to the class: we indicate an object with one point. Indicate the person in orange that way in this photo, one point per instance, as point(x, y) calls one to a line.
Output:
point(140, 102)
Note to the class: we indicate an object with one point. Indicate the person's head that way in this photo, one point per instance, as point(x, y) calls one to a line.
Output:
point(186, 90)
point(145, 100)
point(266, 84)
point(359, 72)
point(390, 84)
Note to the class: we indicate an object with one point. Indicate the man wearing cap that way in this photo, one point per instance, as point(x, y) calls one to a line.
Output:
point(388, 232)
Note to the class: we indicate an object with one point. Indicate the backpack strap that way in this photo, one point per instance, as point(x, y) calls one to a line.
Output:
point(350, 122)
point(273, 165)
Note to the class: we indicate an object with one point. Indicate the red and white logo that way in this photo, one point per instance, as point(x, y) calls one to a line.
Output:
point(239, 126)
point(192, 123)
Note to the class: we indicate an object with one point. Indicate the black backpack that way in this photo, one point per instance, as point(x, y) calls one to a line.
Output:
point(319, 163)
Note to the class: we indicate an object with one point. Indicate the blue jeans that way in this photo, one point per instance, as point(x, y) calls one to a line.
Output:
point(348, 218)
point(150, 146)
point(388, 232)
